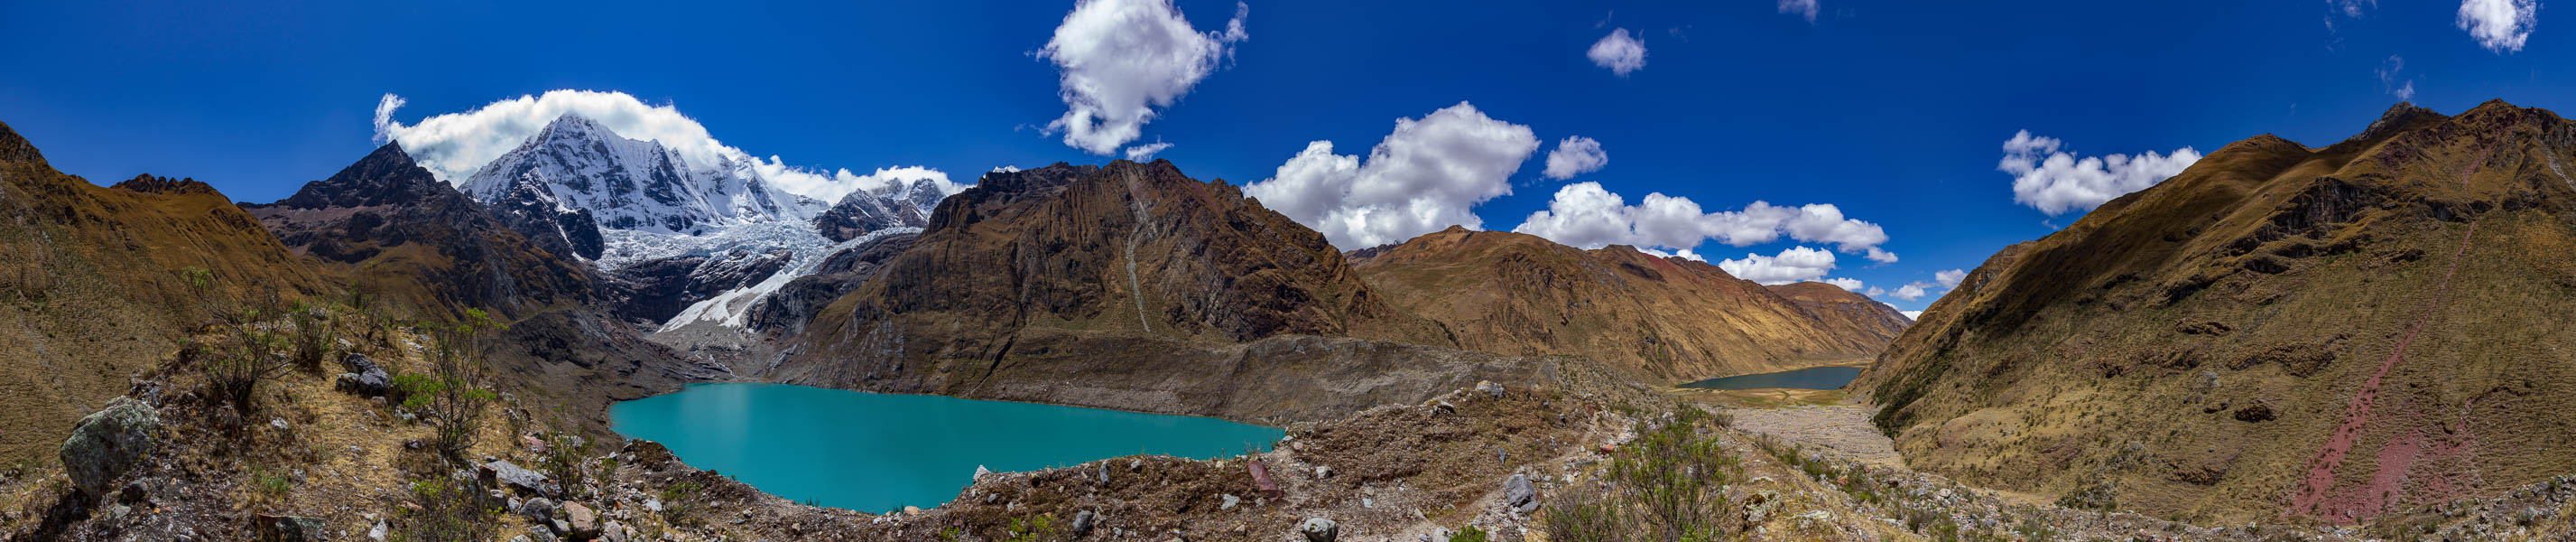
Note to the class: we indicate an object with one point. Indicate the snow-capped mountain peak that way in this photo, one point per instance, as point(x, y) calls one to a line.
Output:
point(634, 185)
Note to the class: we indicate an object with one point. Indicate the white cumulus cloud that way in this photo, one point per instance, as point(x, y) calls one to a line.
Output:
point(1912, 291)
point(454, 145)
point(2499, 25)
point(1120, 59)
point(1793, 264)
point(1848, 285)
point(2055, 181)
point(1427, 175)
point(1619, 52)
point(1912, 315)
point(1802, 8)
point(1588, 216)
point(1950, 278)
point(1575, 156)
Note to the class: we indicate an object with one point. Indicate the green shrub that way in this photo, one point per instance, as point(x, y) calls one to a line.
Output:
point(1469, 533)
point(451, 394)
point(1668, 485)
point(448, 510)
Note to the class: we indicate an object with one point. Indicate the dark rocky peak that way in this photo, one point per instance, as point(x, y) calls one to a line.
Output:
point(16, 149)
point(2400, 117)
point(1025, 181)
point(153, 184)
point(924, 195)
point(865, 211)
point(385, 177)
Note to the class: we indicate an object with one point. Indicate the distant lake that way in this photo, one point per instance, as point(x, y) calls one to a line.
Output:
point(878, 452)
point(1812, 378)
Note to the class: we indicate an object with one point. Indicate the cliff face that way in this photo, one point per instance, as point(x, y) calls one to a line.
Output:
point(2330, 333)
point(1663, 320)
point(91, 293)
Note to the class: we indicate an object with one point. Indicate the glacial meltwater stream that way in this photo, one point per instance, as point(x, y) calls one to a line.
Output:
point(877, 452)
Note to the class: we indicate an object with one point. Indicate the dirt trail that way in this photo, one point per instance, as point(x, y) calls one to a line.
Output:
point(2316, 497)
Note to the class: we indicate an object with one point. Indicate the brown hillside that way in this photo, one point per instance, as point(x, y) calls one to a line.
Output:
point(90, 293)
point(2278, 331)
point(436, 252)
point(1128, 285)
point(1665, 320)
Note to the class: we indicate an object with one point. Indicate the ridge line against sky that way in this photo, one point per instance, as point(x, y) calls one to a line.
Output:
point(1881, 127)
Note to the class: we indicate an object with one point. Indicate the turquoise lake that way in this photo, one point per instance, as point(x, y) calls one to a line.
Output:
point(1812, 378)
point(878, 452)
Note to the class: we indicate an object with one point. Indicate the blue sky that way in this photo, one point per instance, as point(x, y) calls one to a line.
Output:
point(1894, 112)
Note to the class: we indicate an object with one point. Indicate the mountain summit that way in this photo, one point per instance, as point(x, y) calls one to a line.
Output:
point(576, 163)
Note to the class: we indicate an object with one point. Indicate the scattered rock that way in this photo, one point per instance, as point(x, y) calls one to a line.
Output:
point(540, 509)
point(108, 442)
point(614, 532)
point(583, 523)
point(1082, 523)
point(279, 423)
point(1519, 495)
point(1104, 473)
point(1490, 388)
point(1230, 501)
point(1319, 530)
point(273, 528)
point(981, 472)
point(135, 492)
point(503, 473)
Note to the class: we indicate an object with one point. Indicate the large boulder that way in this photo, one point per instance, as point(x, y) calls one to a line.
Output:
point(107, 443)
point(1519, 495)
point(582, 522)
point(365, 378)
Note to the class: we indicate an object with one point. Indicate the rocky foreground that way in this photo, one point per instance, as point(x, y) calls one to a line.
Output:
point(333, 458)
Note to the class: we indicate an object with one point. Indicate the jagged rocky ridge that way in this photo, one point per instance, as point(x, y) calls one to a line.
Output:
point(2278, 332)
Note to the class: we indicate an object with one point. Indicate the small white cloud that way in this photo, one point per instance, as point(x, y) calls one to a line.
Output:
point(1912, 315)
point(1426, 175)
point(1120, 59)
point(1575, 156)
point(455, 145)
point(1586, 215)
point(2499, 25)
point(2391, 79)
point(1950, 278)
point(2055, 182)
point(1145, 152)
point(1848, 285)
point(1802, 8)
point(1794, 264)
point(1911, 291)
point(1619, 52)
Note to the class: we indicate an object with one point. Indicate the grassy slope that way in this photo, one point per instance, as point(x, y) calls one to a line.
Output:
point(2198, 345)
point(90, 293)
